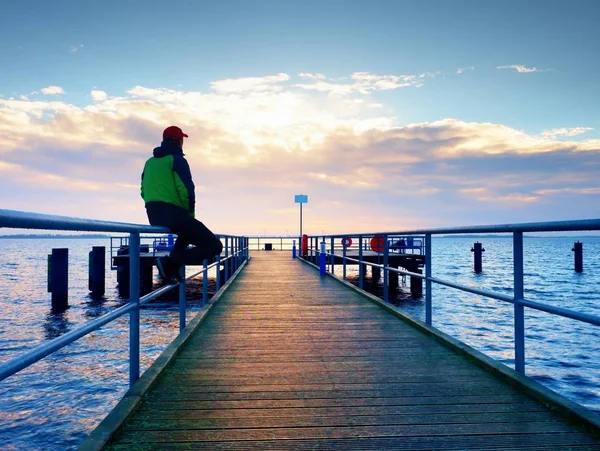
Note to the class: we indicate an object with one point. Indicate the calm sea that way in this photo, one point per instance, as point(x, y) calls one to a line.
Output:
point(54, 404)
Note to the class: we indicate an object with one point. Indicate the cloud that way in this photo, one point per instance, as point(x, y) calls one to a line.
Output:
point(364, 83)
point(312, 76)
point(554, 132)
point(522, 69)
point(75, 48)
point(238, 85)
point(98, 96)
point(461, 70)
point(52, 90)
point(252, 148)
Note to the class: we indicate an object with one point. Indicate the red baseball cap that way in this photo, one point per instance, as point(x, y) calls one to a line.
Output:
point(174, 133)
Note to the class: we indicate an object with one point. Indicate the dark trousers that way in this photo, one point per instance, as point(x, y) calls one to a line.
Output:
point(188, 231)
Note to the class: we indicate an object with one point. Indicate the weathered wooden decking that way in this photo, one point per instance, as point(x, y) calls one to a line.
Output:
point(290, 360)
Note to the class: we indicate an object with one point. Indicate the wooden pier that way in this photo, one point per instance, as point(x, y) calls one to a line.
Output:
point(287, 359)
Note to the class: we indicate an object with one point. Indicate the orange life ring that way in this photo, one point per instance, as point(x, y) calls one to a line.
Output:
point(378, 243)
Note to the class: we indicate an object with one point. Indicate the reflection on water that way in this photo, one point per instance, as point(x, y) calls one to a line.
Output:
point(56, 324)
point(55, 403)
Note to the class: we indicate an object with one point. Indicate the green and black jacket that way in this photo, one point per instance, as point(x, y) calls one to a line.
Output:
point(167, 178)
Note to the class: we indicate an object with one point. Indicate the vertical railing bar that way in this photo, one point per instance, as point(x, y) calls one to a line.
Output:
point(518, 307)
point(361, 269)
point(332, 255)
point(182, 301)
point(344, 259)
point(226, 263)
point(218, 274)
point(134, 316)
point(428, 284)
point(204, 282)
point(386, 252)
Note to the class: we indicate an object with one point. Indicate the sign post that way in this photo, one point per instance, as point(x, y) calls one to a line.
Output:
point(301, 199)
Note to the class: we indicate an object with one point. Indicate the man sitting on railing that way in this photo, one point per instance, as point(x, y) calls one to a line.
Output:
point(169, 194)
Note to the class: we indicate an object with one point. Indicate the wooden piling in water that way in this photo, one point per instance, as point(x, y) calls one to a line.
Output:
point(578, 249)
point(59, 279)
point(97, 271)
point(478, 251)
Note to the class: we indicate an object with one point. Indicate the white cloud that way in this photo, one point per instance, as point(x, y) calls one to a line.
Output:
point(98, 96)
point(75, 48)
point(271, 142)
point(522, 69)
point(312, 76)
point(554, 132)
point(461, 70)
point(239, 85)
point(365, 82)
point(53, 90)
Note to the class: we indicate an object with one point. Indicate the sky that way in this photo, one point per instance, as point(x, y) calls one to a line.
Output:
point(390, 115)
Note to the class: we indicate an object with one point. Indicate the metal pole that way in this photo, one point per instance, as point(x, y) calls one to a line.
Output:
point(386, 252)
point(134, 316)
point(361, 269)
point(218, 275)
point(182, 302)
point(226, 265)
point(428, 284)
point(344, 258)
point(300, 218)
point(332, 256)
point(204, 282)
point(519, 309)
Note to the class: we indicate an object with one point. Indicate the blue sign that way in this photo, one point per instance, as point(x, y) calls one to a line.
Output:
point(301, 198)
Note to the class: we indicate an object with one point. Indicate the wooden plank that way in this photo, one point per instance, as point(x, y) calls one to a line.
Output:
point(289, 360)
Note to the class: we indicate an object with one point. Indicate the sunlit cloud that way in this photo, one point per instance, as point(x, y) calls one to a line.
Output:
point(363, 83)
point(548, 192)
point(522, 69)
point(98, 96)
point(256, 141)
point(553, 133)
point(52, 90)
point(238, 85)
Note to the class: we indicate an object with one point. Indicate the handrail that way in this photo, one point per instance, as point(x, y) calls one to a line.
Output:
point(236, 252)
point(518, 298)
point(550, 226)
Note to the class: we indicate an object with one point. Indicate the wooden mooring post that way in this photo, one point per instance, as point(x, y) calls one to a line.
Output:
point(58, 278)
point(478, 251)
point(578, 249)
point(97, 271)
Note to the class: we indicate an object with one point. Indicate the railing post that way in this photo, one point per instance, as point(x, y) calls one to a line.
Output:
point(361, 269)
point(519, 309)
point(182, 302)
point(226, 262)
point(428, 283)
point(218, 272)
point(204, 282)
point(134, 316)
point(332, 264)
point(386, 254)
point(344, 258)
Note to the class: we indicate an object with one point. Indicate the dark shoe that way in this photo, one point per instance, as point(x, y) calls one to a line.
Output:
point(177, 274)
point(165, 270)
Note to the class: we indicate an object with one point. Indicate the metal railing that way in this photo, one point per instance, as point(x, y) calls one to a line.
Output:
point(317, 245)
point(235, 253)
